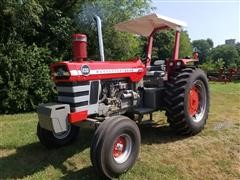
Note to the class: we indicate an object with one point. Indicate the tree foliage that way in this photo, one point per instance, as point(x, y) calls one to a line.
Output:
point(214, 58)
point(117, 45)
point(24, 77)
point(211, 65)
point(163, 44)
point(228, 54)
point(204, 47)
point(35, 33)
point(185, 45)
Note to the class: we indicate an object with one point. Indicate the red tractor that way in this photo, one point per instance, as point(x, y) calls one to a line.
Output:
point(113, 96)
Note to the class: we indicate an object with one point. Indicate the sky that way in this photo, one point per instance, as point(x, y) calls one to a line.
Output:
point(215, 19)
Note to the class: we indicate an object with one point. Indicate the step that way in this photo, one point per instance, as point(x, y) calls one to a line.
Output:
point(143, 110)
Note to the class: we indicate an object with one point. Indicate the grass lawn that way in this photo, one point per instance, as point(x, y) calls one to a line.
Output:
point(212, 154)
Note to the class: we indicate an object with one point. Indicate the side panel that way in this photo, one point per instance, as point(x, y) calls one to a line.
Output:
point(74, 94)
point(81, 96)
point(94, 92)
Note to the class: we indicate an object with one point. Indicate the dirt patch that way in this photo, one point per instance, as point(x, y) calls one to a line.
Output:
point(223, 125)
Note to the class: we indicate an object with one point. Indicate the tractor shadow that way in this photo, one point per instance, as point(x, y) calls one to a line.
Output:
point(34, 158)
point(150, 134)
point(159, 134)
point(87, 173)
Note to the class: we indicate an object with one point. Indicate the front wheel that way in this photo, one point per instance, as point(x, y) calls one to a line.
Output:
point(115, 146)
point(54, 140)
point(187, 100)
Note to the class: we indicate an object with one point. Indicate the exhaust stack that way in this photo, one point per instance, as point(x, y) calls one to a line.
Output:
point(100, 37)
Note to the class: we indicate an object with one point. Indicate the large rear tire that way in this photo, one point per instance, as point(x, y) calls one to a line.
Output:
point(52, 140)
point(187, 100)
point(115, 146)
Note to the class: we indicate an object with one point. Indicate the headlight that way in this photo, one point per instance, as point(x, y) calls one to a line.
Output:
point(171, 63)
point(179, 63)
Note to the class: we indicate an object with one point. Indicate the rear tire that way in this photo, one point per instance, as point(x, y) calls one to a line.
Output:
point(115, 146)
point(52, 140)
point(187, 100)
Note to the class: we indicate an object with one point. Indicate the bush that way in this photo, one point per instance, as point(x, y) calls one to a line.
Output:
point(24, 77)
point(212, 66)
point(227, 53)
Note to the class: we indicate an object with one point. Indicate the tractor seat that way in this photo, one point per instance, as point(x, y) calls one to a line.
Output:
point(157, 70)
point(154, 68)
point(154, 77)
point(155, 73)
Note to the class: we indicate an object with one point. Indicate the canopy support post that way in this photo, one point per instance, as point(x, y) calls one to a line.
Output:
point(176, 46)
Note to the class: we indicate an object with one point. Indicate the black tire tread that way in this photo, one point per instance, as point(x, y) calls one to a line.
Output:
point(174, 101)
point(100, 136)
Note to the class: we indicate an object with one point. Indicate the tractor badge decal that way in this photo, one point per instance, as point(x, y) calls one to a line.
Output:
point(85, 70)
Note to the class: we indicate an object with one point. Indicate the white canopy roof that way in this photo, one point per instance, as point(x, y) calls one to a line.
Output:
point(146, 24)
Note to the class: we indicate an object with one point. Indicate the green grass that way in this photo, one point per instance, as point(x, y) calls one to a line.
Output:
point(212, 154)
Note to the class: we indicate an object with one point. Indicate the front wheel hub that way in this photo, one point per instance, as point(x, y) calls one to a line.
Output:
point(122, 148)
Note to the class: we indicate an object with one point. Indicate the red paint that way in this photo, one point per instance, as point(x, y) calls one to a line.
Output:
point(149, 50)
point(193, 100)
point(185, 62)
point(77, 116)
point(98, 65)
point(176, 45)
point(79, 46)
point(119, 146)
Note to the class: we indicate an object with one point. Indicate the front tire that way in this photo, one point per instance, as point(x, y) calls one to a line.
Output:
point(51, 140)
point(187, 100)
point(115, 146)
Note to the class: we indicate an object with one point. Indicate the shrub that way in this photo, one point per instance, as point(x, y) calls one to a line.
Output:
point(24, 77)
point(210, 65)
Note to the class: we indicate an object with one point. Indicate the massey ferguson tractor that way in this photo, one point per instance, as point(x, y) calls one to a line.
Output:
point(113, 96)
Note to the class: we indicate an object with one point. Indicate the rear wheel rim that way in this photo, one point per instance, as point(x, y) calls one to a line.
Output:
point(122, 148)
point(64, 134)
point(197, 101)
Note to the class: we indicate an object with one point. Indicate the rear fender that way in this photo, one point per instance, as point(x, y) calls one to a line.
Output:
point(176, 64)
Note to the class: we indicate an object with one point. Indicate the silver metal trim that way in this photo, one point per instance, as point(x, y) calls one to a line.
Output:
point(73, 89)
point(92, 109)
point(77, 99)
point(127, 149)
point(100, 38)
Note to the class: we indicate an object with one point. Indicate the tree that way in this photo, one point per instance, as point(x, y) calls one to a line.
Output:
point(35, 33)
point(19, 20)
point(164, 42)
point(211, 65)
point(185, 45)
point(117, 45)
point(163, 45)
point(227, 53)
point(204, 47)
point(24, 77)
point(210, 42)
